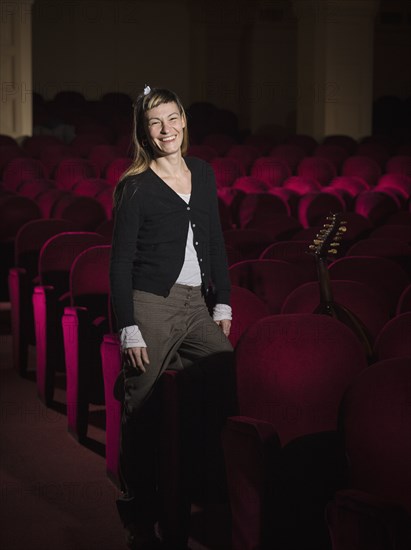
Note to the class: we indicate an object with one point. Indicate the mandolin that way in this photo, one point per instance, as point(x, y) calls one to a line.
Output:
point(326, 244)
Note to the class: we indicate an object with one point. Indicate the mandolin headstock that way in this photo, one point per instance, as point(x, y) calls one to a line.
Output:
point(327, 241)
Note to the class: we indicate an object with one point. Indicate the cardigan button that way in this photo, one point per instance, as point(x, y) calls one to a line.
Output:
point(188, 208)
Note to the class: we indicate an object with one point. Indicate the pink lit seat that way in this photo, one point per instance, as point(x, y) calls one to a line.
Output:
point(22, 277)
point(84, 322)
point(317, 168)
point(271, 171)
point(22, 169)
point(49, 298)
point(314, 207)
point(116, 168)
point(364, 167)
point(70, 170)
point(226, 170)
point(375, 206)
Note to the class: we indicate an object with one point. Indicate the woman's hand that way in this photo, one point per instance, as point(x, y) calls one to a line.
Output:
point(225, 325)
point(137, 357)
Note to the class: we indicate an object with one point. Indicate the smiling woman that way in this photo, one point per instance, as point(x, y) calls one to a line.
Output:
point(168, 254)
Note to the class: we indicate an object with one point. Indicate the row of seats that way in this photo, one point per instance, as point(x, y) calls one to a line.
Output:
point(86, 324)
point(273, 168)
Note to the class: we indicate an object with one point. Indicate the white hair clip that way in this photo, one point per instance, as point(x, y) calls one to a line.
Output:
point(147, 89)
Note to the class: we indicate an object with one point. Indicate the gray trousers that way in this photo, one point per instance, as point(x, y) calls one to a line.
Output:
point(178, 331)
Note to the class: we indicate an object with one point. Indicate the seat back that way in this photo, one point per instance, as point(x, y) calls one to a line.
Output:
point(89, 279)
point(382, 274)
point(292, 371)
point(377, 425)
point(247, 308)
point(270, 280)
point(31, 237)
point(58, 253)
point(394, 338)
point(358, 298)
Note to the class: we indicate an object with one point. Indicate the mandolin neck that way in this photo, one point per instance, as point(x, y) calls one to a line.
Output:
point(326, 297)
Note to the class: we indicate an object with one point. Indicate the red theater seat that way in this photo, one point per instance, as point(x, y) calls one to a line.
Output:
point(394, 338)
point(49, 298)
point(84, 324)
point(374, 512)
point(270, 280)
point(282, 454)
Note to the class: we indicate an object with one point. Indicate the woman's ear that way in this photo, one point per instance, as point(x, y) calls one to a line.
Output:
point(184, 120)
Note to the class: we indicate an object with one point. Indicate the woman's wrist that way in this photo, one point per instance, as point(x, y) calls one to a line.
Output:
point(221, 312)
point(131, 337)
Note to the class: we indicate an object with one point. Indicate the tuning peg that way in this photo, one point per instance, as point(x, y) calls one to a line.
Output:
point(317, 241)
point(312, 247)
point(342, 229)
point(332, 251)
point(335, 244)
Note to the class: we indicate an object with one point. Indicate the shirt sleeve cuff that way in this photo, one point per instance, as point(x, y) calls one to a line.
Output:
point(222, 311)
point(131, 337)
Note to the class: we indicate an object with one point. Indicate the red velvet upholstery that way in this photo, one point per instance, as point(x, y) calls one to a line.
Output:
point(375, 206)
point(375, 513)
point(313, 208)
point(249, 242)
point(383, 247)
point(302, 184)
point(294, 252)
point(364, 167)
point(353, 184)
point(100, 157)
point(317, 168)
point(404, 301)
point(226, 170)
point(22, 169)
point(291, 373)
point(271, 171)
point(359, 298)
point(400, 164)
point(260, 207)
point(385, 276)
point(247, 308)
point(394, 338)
point(399, 182)
point(291, 154)
point(270, 280)
point(335, 153)
point(250, 184)
point(29, 240)
point(116, 168)
point(84, 323)
point(90, 187)
point(246, 154)
point(401, 232)
point(70, 171)
point(86, 212)
point(49, 298)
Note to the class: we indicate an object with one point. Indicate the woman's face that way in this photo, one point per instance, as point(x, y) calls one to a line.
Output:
point(165, 126)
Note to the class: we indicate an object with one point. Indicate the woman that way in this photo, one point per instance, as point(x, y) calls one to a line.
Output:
point(167, 251)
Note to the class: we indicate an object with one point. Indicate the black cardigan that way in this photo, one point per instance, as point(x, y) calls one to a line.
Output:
point(150, 233)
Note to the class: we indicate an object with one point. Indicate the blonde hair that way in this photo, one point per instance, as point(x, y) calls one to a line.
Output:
point(143, 153)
